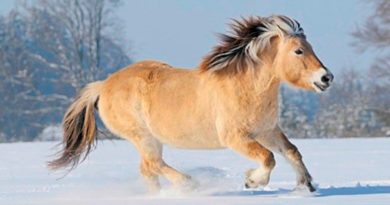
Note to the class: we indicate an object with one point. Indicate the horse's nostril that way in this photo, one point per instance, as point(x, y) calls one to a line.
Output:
point(327, 78)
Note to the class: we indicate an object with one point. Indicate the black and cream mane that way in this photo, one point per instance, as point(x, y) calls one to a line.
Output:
point(248, 37)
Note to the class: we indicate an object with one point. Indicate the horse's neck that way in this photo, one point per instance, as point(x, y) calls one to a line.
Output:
point(266, 82)
point(254, 89)
point(261, 82)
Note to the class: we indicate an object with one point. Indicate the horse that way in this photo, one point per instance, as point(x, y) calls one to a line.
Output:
point(230, 101)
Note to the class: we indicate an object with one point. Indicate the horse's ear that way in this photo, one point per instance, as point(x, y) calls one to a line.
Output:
point(273, 47)
point(274, 39)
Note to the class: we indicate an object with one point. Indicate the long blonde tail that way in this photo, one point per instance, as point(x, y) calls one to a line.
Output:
point(79, 126)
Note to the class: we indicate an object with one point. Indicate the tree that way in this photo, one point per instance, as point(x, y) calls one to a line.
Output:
point(374, 35)
point(76, 31)
point(48, 51)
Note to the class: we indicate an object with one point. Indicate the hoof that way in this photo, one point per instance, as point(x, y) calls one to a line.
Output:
point(255, 178)
point(310, 187)
point(251, 184)
point(188, 184)
point(306, 186)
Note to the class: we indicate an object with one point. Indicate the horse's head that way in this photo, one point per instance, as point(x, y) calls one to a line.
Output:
point(277, 41)
point(295, 61)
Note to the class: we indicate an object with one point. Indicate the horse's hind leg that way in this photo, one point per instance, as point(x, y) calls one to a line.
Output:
point(152, 164)
point(150, 151)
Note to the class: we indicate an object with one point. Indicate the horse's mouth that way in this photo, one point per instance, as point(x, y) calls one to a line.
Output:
point(320, 87)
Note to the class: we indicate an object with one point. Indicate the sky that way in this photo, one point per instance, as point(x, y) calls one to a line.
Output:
point(181, 32)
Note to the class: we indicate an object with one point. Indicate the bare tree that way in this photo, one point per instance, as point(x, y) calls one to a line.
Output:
point(374, 35)
point(375, 31)
point(48, 51)
point(77, 40)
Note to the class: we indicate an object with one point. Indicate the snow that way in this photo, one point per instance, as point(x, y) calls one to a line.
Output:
point(347, 171)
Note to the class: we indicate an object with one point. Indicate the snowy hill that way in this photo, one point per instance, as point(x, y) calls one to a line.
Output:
point(348, 171)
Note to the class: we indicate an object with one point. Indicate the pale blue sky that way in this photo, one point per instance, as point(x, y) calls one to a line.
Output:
point(181, 32)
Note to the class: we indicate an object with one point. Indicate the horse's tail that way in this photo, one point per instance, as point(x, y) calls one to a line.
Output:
point(79, 127)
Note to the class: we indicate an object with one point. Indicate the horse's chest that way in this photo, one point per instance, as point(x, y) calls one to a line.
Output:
point(264, 117)
point(268, 119)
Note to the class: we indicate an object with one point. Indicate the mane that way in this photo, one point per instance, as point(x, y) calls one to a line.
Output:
point(248, 37)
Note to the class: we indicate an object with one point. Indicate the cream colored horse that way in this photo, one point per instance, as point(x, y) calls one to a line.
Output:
point(230, 101)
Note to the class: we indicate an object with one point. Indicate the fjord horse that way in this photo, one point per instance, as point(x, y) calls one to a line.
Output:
point(229, 101)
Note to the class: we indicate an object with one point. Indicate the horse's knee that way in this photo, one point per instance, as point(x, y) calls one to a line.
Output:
point(257, 151)
point(269, 160)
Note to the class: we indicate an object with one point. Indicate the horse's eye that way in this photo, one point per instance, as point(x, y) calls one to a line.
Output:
point(299, 51)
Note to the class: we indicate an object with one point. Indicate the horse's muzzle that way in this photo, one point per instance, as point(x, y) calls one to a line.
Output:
point(322, 80)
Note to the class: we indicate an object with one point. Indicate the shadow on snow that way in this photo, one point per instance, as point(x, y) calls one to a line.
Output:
point(321, 192)
point(357, 190)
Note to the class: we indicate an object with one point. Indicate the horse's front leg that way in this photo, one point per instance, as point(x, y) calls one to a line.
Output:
point(278, 142)
point(249, 147)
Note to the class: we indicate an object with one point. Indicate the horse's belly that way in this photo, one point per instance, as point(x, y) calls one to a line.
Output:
point(191, 142)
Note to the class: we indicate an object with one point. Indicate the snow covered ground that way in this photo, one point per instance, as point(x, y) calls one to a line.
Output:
point(347, 171)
